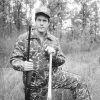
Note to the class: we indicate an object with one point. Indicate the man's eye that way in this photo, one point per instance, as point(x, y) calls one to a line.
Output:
point(39, 19)
point(44, 20)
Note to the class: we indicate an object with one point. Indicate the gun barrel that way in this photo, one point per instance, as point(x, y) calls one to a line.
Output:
point(28, 73)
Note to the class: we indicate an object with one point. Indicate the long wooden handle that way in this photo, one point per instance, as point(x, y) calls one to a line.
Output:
point(49, 96)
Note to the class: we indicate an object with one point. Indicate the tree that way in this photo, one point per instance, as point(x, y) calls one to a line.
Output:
point(89, 22)
point(3, 16)
point(94, 20)
point(17, 14)
point(58, 14)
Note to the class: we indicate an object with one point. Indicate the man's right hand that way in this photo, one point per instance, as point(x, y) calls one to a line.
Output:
point(28, 65)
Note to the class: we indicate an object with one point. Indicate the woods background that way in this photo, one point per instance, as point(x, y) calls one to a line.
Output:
point(77, 25)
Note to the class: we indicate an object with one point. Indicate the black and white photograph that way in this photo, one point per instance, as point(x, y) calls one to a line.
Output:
point(49, 49)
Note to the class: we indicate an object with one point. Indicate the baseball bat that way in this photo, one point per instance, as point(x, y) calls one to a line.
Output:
point(49, 96)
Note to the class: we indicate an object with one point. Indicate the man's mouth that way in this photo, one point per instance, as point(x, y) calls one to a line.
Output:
point(41, 27)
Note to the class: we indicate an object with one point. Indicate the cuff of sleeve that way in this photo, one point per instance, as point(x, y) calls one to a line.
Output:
point(18, 68)
point(18, 65)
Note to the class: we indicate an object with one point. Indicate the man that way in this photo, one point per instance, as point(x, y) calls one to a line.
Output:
point(42, 43)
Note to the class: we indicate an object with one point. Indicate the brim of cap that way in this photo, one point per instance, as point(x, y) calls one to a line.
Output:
point(42, 13)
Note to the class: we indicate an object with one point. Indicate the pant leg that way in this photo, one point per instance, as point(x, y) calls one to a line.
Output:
point(38, 93)
point(38, 89)
point(70, 81)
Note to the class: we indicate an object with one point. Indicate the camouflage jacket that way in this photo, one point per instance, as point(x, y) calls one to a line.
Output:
point(38, 54)
point(39, 81)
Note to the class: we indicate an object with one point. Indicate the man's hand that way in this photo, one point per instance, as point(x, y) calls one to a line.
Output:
point(50, 50)
point(28, 65)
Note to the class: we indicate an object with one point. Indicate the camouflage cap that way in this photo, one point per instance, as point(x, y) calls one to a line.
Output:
point(43, 10)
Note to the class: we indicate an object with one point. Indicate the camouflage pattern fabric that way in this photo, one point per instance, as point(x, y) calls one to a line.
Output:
point(39, 81)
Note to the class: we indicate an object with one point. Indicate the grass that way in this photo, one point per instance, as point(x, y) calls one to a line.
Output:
point(85, 64)
point(13, 87)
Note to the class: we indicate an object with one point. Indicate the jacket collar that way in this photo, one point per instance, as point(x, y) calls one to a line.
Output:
point(34, 35)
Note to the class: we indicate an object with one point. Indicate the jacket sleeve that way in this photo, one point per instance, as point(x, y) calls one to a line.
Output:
point(17, 58)
point(59, 58)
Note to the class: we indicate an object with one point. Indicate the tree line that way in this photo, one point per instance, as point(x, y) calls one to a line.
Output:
point(85, 22)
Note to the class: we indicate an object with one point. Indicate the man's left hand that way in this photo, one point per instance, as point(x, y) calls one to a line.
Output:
point(50, 50)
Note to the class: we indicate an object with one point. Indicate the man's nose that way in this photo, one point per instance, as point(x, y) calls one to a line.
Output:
point(41, 23)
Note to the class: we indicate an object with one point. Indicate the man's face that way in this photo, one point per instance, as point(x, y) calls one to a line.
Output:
point(42, 24)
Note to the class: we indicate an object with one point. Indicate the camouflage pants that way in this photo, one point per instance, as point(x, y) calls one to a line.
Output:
point(61, 80)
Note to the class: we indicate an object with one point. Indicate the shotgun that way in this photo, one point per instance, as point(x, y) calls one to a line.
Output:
point(28, 73)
